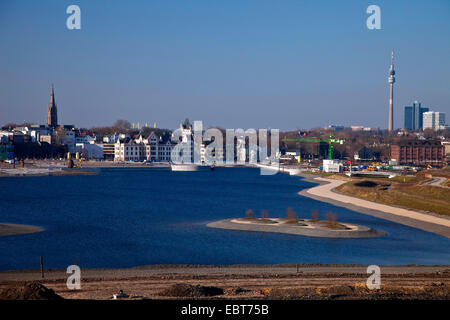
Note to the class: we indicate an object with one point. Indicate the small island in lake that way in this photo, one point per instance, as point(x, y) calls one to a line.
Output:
point(329, 228)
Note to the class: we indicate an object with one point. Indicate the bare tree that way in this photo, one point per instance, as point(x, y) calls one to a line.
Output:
point(9, 126)
point(331, 219)
point(122, 125)
point(249, 214)
point(291, 215)
point(315, 215)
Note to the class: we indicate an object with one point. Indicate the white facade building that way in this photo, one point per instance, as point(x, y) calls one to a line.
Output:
point(111, 138)
point(129, 151)
point(154, 148)
point(35, 131)
point(433, 120)
point(158, 149)
point(332, 166)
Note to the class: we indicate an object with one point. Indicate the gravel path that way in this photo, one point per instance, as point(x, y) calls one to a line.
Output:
point(424, 221)
point(436, 182)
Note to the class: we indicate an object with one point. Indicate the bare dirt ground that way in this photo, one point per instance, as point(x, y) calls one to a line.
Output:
point(243, 282)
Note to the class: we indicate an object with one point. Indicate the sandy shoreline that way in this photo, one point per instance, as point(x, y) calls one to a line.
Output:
point(36, 168)
point(8, 229)
point(424, 221)
point(40, 172)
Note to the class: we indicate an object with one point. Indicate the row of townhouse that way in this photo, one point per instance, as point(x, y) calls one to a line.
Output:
point(154, 148)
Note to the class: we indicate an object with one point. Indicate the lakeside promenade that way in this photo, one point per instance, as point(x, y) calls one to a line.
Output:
point(420, 220)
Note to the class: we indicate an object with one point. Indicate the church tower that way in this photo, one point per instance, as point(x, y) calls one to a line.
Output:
point(52, 114)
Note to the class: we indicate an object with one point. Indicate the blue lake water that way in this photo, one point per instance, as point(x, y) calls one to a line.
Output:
point(141, 216)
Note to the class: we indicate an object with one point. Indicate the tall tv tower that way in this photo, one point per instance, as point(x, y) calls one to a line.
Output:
point(391, 80)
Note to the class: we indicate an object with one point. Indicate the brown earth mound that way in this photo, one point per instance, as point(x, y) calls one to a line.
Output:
point(28, 291)
point(437, 291)
point(187, 290)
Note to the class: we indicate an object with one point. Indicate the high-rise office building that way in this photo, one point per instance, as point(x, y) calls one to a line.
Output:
point(418, 114)
point(409, 122)
point(434, 120)
point(414, 116)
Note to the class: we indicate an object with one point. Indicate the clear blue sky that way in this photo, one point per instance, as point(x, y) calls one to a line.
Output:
point(250, 64)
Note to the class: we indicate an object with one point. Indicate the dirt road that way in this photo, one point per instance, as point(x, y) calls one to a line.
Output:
point(436, 182)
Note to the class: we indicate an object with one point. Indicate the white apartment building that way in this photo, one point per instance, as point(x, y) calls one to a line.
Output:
point(154, 148)
point(433, 120)
point(35, 131)
point(111, 138)
point(158, 149)
point(129, 150)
